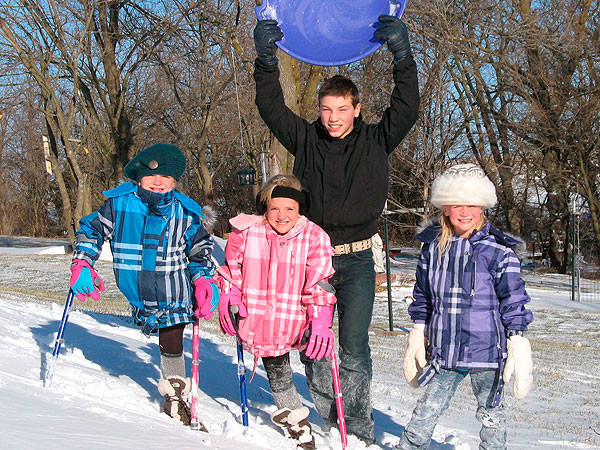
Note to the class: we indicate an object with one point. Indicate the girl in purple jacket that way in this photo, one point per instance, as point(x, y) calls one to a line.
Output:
point(469, 311)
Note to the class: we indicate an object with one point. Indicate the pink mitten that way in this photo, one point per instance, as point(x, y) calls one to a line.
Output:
point(85, 282)
point(206, 293)
point(321, 343)
point(233, 298)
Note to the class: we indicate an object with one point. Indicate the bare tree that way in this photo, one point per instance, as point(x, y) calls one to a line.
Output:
point(83, 56)
point(439, 127)
point(35, 51)
point(512, 86)
point(520, 84)
point(553, 80)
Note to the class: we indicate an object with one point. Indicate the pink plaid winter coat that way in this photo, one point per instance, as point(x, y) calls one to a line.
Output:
point(278, 276)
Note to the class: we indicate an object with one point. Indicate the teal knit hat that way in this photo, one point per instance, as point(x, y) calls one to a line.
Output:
point(158, 159)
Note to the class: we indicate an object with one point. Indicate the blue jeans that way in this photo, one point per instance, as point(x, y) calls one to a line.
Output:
point(436, 400)
point(354, 282)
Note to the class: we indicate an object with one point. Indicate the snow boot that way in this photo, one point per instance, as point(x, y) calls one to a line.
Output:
point(176, 390)
point(295, 426)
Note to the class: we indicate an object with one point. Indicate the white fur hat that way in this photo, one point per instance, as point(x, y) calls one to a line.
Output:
point(463, 184)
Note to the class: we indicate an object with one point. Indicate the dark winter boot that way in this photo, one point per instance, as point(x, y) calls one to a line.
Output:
point(176, 390)
point(295, 426)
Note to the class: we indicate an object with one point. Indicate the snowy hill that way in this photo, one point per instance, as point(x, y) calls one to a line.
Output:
point(104, 392)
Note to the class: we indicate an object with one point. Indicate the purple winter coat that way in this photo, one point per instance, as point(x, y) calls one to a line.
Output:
point(469, 300)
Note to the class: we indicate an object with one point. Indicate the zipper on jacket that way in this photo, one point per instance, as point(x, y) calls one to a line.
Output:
point(473, 281)
point(500, 356)
point(165, 242)
point(166, 239)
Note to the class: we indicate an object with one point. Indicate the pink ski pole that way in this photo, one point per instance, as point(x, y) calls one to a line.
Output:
point(339, 403)
point(195, 423)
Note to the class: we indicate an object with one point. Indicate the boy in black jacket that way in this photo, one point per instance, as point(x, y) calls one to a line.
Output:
point(343, 162)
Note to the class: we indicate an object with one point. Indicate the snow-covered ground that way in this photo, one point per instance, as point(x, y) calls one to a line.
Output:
point(104, 393)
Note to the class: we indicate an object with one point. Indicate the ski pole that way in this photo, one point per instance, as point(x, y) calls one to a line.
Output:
point(59, 340)
point(339, 403)
point(241, 366)
point(195, 423)
point(337, 390)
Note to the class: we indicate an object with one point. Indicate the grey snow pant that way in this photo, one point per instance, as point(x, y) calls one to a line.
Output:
point(279, 372)
point(436, 400)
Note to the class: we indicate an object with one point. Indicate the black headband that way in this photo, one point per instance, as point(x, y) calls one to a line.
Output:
point(288, 192)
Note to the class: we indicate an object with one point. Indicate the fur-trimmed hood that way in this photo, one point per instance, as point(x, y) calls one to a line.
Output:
point(433, 221)
point(209, 219)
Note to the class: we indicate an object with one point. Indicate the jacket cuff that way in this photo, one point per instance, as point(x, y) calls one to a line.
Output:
point(84, 257)
point(265, 67)
point(405, 63)
point(511, 333)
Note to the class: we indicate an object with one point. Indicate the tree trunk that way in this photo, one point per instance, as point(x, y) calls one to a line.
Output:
point(68, 221)
point(287, 80)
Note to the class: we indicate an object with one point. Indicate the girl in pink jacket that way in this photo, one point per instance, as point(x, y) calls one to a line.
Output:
point(276, 272)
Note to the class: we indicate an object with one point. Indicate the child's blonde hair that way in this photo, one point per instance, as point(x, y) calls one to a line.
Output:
point(448, 232)
point(264, 195)
point(461, 184)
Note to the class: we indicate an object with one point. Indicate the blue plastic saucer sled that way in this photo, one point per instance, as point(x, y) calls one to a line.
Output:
point(328, 32)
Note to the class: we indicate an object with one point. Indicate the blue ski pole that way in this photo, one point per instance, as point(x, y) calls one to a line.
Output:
point(59, 340)
point(241, 367)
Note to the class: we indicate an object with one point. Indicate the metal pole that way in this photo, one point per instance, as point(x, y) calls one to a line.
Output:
point(233, 311)
point(242, 377)
point(578, 260)
point(387, 270)
point(195, 423)
point(573, 259)
point(339, 402)
point(59, 340)
point(262, 156)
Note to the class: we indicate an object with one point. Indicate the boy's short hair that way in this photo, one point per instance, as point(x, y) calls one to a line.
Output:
point(339, 86)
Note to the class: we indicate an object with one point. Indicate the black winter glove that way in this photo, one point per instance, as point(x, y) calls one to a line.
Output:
point(266, 33)
point(394, 32)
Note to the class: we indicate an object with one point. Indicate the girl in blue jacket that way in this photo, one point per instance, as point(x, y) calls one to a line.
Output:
point(161, 260)
point(468, 311)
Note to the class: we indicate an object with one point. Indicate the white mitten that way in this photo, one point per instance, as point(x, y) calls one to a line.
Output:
point(414, 359)
point(519, 362)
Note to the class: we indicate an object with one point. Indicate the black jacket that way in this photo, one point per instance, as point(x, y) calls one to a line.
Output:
point(347, 178)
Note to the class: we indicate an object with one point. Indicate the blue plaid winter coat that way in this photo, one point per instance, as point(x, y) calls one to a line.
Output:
point(159, 247)
point(468, 300)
